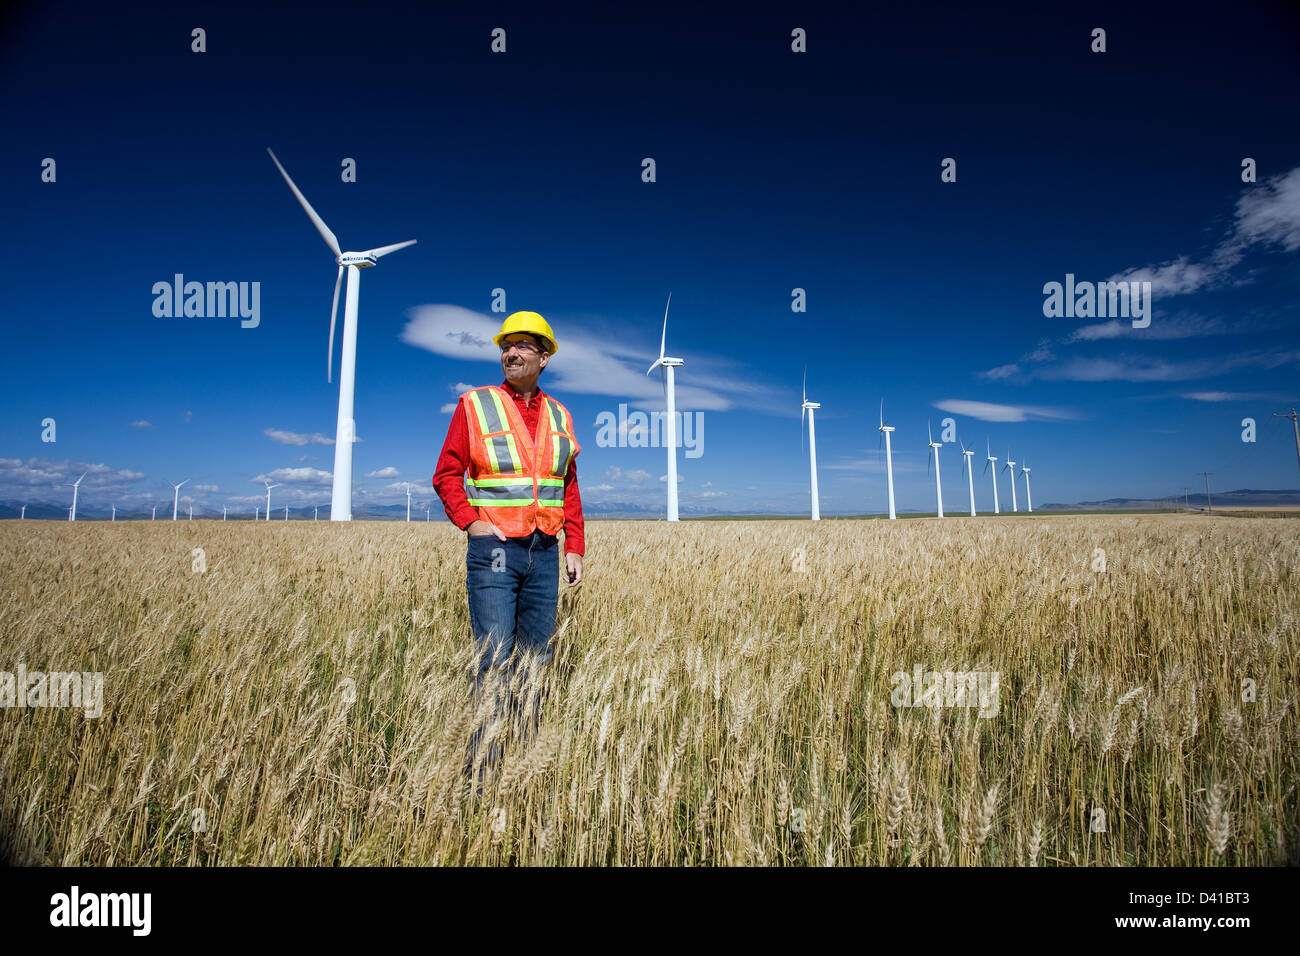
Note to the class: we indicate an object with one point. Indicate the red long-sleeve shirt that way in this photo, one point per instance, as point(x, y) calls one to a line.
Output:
point(454, 461)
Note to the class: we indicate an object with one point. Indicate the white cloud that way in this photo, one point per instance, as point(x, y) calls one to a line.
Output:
point(584, 365)
point(296, 476)
point(284, 437)
point(664, 478)
point(636, 476)
point(1141, 369)
point(388, 472)
point(989, 412)
point(141, 423)
point(999, 373)
point(448, 408)
point(207, 488)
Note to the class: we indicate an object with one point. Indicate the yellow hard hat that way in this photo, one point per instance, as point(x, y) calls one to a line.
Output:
point(527, 322)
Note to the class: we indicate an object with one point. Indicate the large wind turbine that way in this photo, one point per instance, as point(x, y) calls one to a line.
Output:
point(991, 462)
point(666, 365)
point(889, 458)
point(176, 496)
point(938, 479)
point(353, 262)
point(809, 408)
point(970, 475)
point(1011, 466)
point(72, 513)
point(269, 486)
point(1024, 470)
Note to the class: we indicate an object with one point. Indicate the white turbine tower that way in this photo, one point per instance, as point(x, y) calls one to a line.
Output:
point(970, 475)
point(408, 502)
point(223, 512)
point(72, 512)
point(155, 514)
point(1011, 466)
point(286, 512)
point(991, 461)
point(1024, 470)
point(353, 262)
point(889, 458)
point(809, 408)
point(191, 511)
point(938, 480)
point(23, 514)
point(666, 365)
point(317, 517)
point(269, 486)
point(426, 514)
point(257, 513)
point(114, 518)
point(176, 495)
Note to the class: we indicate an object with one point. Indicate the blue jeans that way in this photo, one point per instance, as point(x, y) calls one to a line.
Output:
point(513, 588)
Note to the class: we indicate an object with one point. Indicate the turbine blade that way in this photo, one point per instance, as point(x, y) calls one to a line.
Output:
point(663, 336)
point(385, 250)
point(803, 411)
point(805, 383)
point(652, 367)
point(928, 433)
point(330, 239)
point(882, 413)
point(334, 311)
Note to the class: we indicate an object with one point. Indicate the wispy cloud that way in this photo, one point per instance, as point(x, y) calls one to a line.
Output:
point(989, 412)
point(585, 365)
point(1233, 396)
point(296, 476)
point(1130, 368)
point(285, 437)
point(389, 472)
point(141, 423)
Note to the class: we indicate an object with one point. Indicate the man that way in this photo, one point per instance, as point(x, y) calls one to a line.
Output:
point(518, 445)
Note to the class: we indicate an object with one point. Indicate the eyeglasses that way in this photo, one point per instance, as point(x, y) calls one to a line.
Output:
point(524, 348)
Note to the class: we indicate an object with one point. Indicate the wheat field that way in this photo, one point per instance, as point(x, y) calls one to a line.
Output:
point(721, 694)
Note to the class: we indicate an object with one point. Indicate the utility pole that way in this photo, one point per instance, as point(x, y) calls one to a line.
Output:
point(1186, 505)
point(1295, 425)
point(1209, 505)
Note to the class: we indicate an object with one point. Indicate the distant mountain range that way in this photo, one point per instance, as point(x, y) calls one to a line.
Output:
point(1227, 500)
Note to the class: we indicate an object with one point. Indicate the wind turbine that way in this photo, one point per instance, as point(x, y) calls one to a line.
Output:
point(286, 512)
point(991, 461)
point(809, 408)
point(353, 262)
point(191, 511)
point(889, 458)
point(176, 495)
point(257, 513)
point(114, 518)
point(408, 502)
point(223, 512)
point(666, 365)
point(317, 517)
point(72, 513)
point(1011, 466)
point(938, 480)
point(970, 475)
point(426, 514)
point(154, 517)
point(1024, 470)
point(269, 486)
point(23, 514)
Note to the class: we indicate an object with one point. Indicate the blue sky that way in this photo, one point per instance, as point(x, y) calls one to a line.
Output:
point(775, 171)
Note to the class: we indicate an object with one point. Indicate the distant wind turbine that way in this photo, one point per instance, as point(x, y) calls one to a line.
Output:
point(889, 458)
point(72, 513)
point(191, 511)
point(991, 462)
point(408, 502)
point(426, 514)
point(176, 496)
point(353, 262)
point(1024, 470)
point(23, 514)
point(938, 478)
point(155, 513)
point(1011, 466)
point(317, 517)
point(286, 512)
point(666, 365)
point(223, 512)
point(114, 518)
point(269, 486)
point(970, 475)
point(809, 408)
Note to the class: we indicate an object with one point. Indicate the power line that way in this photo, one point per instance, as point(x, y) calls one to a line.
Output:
point(1295, 425)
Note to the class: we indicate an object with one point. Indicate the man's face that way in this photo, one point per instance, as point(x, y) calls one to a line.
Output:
point(522, 359)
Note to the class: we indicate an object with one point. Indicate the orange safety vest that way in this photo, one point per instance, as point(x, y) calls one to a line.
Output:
point(517, 483)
